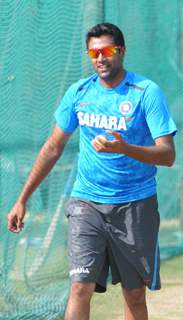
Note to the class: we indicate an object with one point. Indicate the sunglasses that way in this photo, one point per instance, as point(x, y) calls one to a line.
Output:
point(106, 52)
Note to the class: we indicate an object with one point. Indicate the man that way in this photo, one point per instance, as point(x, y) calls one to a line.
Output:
point(125, 130)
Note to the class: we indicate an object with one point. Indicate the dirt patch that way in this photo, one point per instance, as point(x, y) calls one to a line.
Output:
point(166, 304)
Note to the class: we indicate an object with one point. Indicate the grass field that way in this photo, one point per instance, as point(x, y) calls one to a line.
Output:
point(165, 304)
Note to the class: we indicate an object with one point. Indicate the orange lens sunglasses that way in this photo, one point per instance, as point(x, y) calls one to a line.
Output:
point(106, 52)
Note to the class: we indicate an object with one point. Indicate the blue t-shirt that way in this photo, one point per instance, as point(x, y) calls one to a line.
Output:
point(137, 109)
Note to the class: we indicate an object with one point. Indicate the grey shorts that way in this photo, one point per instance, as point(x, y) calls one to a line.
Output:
point(122, 238)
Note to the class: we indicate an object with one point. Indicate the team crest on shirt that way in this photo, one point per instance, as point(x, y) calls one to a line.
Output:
point(125, 107)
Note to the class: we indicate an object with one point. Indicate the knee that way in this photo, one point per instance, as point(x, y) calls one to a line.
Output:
point(82, 291)
point(135, 297)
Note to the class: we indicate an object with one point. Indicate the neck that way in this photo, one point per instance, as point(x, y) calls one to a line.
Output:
point(111, 83)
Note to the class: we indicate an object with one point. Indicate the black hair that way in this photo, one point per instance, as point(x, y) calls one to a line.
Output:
point(107, 29)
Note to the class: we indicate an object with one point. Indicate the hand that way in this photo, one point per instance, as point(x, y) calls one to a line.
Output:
point(102, 144)
point(15, 218)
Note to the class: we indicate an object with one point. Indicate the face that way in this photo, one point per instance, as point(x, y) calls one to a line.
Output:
point(109, 69)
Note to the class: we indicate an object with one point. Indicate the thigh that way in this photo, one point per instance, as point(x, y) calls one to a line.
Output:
point(134, 245)
point(87, 244)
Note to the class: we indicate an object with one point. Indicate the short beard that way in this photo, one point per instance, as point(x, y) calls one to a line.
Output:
point(111, 75)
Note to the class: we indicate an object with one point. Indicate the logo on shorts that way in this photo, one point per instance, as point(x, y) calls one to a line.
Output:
point(125, 107)
point(79, 270)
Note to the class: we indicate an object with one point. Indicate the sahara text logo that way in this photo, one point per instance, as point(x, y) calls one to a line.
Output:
point(101, 121)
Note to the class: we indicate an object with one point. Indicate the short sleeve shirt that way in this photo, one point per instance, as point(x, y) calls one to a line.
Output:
point(138, 110)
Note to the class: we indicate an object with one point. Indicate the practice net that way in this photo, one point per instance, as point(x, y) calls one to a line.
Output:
point(42, 52)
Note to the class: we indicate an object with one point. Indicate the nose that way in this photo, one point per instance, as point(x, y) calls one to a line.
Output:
point(100, 57)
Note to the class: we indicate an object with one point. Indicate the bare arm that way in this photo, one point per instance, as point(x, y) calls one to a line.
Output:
point(162, 153)
point(49, 154)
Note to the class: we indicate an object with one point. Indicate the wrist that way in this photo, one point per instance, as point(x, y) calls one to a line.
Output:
point(22, 200)
point(124, 146)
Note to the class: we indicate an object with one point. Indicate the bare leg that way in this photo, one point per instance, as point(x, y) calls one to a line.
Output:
point(78, 307)
point(135, 304)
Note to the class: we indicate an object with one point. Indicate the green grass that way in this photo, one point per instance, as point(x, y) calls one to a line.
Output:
point(165, 304)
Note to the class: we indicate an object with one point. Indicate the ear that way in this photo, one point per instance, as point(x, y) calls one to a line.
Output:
point(122, 50)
